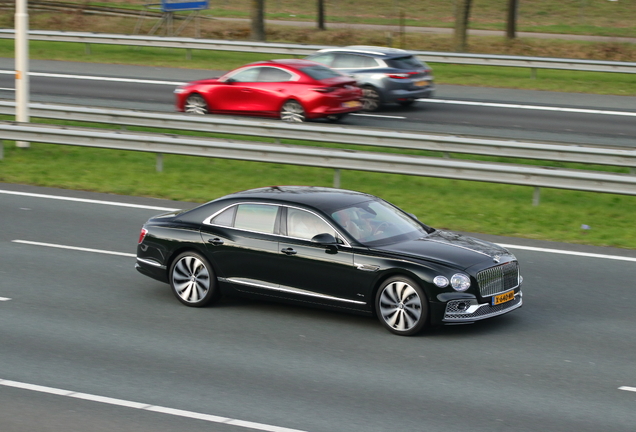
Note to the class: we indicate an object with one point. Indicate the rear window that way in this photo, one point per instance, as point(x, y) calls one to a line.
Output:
point(320, 72)
point(408, 62)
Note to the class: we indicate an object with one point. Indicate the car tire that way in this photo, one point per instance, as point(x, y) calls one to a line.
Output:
point(192, 280)
point(292, 112)
point(401, 306)
point(371, 99)
point(195, 104)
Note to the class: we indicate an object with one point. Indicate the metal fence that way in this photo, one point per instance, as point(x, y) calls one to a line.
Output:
point(525, 175)
point(337, 134)
point(302, 50)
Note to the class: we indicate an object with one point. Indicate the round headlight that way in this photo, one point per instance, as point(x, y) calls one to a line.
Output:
point(440, 281)
point(460, 282)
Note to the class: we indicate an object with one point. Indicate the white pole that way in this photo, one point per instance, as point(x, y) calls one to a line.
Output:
point(22, 64)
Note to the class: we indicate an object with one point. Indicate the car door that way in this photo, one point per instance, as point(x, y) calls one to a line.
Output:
point(236, 93)
point(242, 244)
point(320, 273)
point(274, 86)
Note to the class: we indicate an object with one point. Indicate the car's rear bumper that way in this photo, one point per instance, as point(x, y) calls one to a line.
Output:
point(396, 95)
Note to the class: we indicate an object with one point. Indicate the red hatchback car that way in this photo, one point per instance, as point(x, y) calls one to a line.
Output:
point(294, 90)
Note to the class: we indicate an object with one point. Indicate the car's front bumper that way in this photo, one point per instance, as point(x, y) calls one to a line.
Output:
point(466, 311)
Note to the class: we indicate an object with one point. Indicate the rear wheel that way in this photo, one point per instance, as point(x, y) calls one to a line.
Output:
point(401, 306)
point(370, 99)
point(292, 111)
point(192, 280)
point(195, 104)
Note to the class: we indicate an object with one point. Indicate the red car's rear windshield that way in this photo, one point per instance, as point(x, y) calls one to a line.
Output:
point(320, 72)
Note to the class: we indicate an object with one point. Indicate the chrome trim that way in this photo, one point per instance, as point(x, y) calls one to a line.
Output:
point(207, 221)
point(294, 75)
point(498, 279)
point(448, 317)
point(367, 267)
point(285, 289)
point(151, 262)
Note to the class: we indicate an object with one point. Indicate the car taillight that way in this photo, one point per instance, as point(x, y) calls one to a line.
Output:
point(324, 89)
point(402, 75)
point(142, 234)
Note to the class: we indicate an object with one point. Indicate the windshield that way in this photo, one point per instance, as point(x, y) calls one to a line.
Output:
point(320, 72)
point(409, 62)
point(378, 221)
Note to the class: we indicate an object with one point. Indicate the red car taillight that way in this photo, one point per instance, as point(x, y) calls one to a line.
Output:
point(142, 234)
point(402, 75)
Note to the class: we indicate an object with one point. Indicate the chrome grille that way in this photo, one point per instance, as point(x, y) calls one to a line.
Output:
point(498, 279)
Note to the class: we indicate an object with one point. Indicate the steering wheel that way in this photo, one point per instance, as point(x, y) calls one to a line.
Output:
point(380, 228)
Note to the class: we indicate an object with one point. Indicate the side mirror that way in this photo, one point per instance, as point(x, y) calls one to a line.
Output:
point(413, 216)
point(324, 239)
point(229, 81)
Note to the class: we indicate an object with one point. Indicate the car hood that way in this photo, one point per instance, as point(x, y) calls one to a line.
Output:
point(451, 249)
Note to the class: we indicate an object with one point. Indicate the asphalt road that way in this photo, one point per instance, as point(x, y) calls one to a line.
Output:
point(516, 114)
point(87, 326)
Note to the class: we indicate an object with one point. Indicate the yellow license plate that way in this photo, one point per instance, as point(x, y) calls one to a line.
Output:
point(421, 83)
point(503, 298)
point(351, 104)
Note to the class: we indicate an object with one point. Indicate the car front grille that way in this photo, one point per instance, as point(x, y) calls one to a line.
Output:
point(498, 279)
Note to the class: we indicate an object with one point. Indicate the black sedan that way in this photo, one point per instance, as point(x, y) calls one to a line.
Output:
point(330, 248)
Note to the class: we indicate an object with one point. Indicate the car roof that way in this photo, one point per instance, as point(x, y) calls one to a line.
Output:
point(324, 199)
point(372, 50)
point(294, 63)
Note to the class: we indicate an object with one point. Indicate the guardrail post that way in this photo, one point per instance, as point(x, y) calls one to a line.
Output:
point(188, 54)
point(87, 49)
point(159, 162)
point(1, 149)
point(533, 73)
point(536, 196)
point(336, 178)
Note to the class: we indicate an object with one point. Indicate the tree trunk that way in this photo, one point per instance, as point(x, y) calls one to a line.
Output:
point(258, 20)
point(321, 15)
point(462, 14)
point(511, 25)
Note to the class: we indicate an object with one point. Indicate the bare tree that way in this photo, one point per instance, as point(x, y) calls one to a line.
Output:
point(462, 14)
point(258, 20)
point(321, 14)
point(511, 25)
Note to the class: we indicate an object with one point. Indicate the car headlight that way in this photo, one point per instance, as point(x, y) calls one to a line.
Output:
point(440, 281)
point(460, 282)
point(179, 90)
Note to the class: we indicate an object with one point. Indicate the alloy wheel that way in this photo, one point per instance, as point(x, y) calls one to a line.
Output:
point(195, 104)
point(400, 306)
point(292, 112)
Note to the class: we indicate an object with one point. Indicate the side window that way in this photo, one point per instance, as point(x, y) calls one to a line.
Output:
point(353, 61)
point(247, 75)
point(256, 217)
point(270, 74)
point(325, 58)
point(226, 218)
point(304, 225)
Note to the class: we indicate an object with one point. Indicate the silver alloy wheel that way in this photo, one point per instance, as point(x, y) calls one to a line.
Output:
point(195, 104)
point(370, 99)
point(292, 112)
point(400, 306)
point(191, 279)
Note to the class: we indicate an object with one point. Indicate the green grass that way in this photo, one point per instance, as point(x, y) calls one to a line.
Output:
point(458, 205)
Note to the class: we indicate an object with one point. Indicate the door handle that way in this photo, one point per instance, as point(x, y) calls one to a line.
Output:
point(215, 241)
point(288, 251)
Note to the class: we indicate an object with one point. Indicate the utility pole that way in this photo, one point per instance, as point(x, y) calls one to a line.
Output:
point(21, 65)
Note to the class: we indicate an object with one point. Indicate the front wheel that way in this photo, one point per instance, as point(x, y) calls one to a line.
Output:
point(195, 104)
point(292, 111)
point(192, 280)
point(401, 306)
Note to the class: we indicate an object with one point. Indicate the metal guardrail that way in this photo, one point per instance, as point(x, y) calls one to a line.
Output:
point(325, 157)
point(336, 134)
point(302, 50)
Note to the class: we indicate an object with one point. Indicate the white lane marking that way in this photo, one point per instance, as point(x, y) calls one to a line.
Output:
point(631, 389)
point(4, 299)
point(565, 252)
point(89, 201)
point(530, 107)
point(98, 78)
point(378, 115)
point(7, 89)
point(52, 245)
point(146, 407)
point(529, 248)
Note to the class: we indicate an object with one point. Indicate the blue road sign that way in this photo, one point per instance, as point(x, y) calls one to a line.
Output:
point(181, 5)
